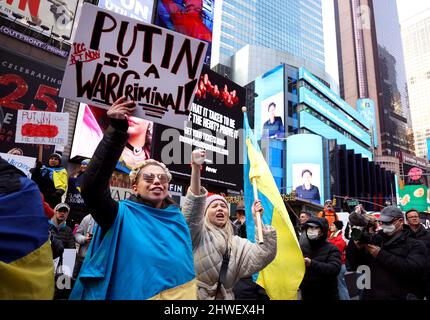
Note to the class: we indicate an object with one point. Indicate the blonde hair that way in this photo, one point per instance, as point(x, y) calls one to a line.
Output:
point(222, 235)
point(135, 173)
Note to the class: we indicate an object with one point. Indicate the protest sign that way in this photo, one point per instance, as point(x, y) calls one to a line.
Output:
point(114, 55)
point(39, 127)
point(25, 164)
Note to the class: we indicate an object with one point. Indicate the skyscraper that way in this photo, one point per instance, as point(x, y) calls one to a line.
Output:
point(371, 66)
point(292, 26)
point(416, 46)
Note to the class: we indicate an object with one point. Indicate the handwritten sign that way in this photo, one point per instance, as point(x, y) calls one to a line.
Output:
point(114, 55)
point(25, 164)
point(39, 127)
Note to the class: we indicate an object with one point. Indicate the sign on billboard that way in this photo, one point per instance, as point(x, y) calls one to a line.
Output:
point(57, 15)
point(114, 55)
point(137, 9)
point(25, 84)
point(215, 122)
point(414, 197)
point(39, 127)
point(192, 18)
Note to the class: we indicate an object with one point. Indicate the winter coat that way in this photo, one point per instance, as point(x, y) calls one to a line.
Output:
point(320, 280)
point(209, 246)
point(86, 227)
point(422, 235)
point(63, 233)
point(78, 209)
point(396, 272)
point(337, 240)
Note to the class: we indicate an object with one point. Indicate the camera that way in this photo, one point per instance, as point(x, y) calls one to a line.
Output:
point(363, 226)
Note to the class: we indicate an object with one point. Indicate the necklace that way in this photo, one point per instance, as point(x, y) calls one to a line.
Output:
point(136, 150)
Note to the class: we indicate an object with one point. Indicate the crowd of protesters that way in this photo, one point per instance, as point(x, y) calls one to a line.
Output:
point(189, 252)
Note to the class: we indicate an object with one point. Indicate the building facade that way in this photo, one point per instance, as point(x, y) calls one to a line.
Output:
point(371, 66)
point(416, 46)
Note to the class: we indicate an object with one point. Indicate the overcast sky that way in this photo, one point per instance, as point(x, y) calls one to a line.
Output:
point(408, 8)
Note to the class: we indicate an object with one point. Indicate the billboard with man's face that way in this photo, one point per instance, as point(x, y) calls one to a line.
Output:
point(269, 105)
point(307, 181)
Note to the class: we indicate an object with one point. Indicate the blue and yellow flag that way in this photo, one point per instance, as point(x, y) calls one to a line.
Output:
point(283, 276)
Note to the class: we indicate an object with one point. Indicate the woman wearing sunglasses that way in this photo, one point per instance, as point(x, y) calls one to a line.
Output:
point(141, 248)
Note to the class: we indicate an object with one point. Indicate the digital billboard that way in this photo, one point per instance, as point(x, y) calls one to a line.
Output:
point(90, 126)
point(138, 9)
point(57, 15)
point(25, 84)
point(415, 197)
point(366, 107)
point(214, 125)
point(269, 114)
point(193, 18)
point(312, 100)
point(304, 170)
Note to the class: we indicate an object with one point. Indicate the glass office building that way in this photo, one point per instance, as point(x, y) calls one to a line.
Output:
point(293, 26)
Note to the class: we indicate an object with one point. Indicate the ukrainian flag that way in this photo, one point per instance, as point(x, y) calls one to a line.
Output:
point(282, 277)
point(26, 263)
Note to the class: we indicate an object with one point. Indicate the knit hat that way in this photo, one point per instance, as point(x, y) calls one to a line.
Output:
point(85, 162)
point(55, 155)
point(338, 224)
point(213, 198)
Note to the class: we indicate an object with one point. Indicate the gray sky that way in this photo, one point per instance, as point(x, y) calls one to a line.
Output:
point(408, 8)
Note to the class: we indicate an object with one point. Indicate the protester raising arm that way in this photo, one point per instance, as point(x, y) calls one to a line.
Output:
point(95, 184)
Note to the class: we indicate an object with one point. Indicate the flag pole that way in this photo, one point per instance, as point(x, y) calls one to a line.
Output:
point(258, 214)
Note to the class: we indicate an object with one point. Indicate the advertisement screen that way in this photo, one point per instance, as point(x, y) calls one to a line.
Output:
point(193, 18)
point(269, 105)
point(214, 125)
point(57, 15)
point(25, 85)
point(137, 9)
point(304, 167)
point(415, 197)
point(306, 181)
point(366, 107)
point(90, 126)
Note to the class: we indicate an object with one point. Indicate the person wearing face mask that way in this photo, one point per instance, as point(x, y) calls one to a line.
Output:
point(221, 258)
point(322, 261)
point(141, 246)
point(396, 264)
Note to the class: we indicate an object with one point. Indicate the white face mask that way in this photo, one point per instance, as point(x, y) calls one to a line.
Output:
point(388, 229)
point(312, 234)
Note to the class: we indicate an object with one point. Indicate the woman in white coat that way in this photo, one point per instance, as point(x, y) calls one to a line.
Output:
point(214, 242)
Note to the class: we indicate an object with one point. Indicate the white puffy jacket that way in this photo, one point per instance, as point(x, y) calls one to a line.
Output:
point(246, 258)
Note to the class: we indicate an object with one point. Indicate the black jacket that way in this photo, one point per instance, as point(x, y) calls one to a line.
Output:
point(64, 234)
point(95, 188)
point(320, 280)
point(423, 235)
point(396, 272)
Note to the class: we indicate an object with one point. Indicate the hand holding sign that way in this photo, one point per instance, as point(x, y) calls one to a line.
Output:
point(121, 109)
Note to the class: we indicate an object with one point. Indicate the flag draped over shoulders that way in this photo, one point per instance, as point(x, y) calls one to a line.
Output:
point(283, 276)
point(146, 254)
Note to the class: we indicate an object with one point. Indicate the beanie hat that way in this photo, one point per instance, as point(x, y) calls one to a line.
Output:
point(85, 162)
point(213, 198)
point(55, 155)
point(338, 224)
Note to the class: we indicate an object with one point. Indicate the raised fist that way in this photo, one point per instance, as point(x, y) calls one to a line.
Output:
point(198, 156)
